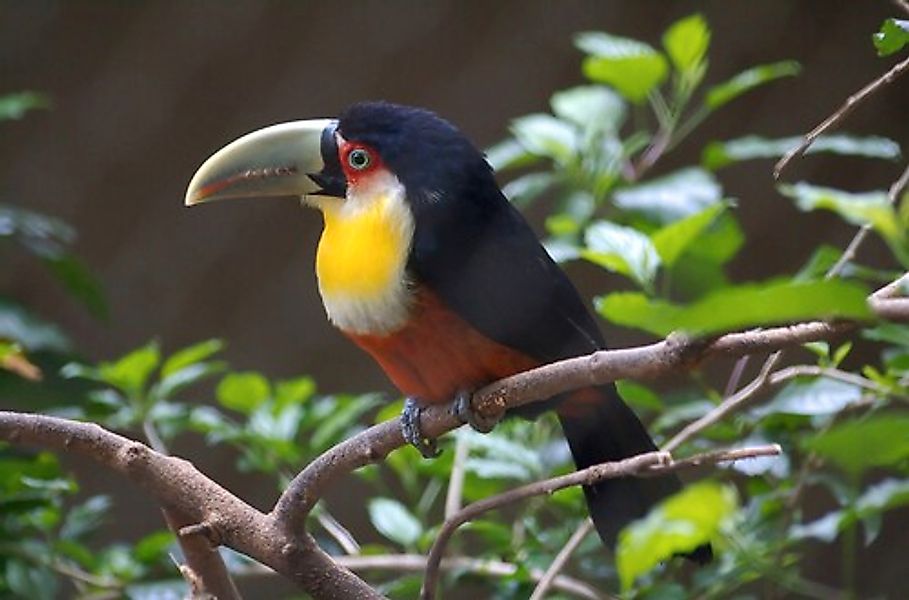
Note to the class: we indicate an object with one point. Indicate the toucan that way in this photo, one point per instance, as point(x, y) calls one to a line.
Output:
point(426, 265)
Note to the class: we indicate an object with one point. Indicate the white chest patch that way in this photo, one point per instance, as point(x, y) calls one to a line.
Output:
point(362, 257)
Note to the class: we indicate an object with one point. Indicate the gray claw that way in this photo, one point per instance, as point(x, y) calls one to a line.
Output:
point(465, 412)
point(410, 429)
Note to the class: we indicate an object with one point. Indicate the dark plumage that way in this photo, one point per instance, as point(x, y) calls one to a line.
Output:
point(474, 250)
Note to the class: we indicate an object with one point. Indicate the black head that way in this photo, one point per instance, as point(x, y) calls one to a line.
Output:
point(428, 155)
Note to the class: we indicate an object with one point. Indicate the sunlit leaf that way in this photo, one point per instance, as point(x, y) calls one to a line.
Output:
point(633, 68)
point(623, 250)
point(294, 391)
point(590, 106)
point(720, 154)
point(880, 440)
point(740, 307)
point(393, 520)
point(856, 208)
point(686, 42)
point(674, 239)
point(14, 106)
point(243, 392)
point(671, 197)
point(185, 377)
point(679, 524)
point(546, 135)
point(892, 37)
point(747, 80)
point(190, 355)
point(131, 372)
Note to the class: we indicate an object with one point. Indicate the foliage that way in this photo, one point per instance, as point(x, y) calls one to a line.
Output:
point(591, 161)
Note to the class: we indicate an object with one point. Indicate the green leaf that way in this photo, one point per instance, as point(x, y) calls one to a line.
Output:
point(740, 307)
point(679, 524)
point(243, 392)
point(892, 37)
point(590, 106)
point(30, 581)
point(393, 520)
point(131, 373)
point(672, 240)
point(747, 80)
point(686, 42)
point(29, 331)
point(819, 264)
point(638, 396)
point(294, 391)
point(623, 250)
point(856, 208)
point(14, 106)
point(191, 355)
point(671, 197)
point(633, 68)
point(545, 135)
point(80, 282)
point(191, 374)
point(815, 396)
point(85, 518)
point(332, 428)
point(880, 440)
point(720, 154)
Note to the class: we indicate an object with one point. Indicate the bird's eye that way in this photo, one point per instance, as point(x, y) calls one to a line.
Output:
point(359, 159)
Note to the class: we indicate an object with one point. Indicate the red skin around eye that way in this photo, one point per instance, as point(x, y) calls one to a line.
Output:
point(357, 176)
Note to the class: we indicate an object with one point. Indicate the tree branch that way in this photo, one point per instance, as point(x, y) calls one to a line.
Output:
point(651, 463)
point(279, 539)
point(841, 113)
point(674, 353)
point(561, 558)
point(176, 483)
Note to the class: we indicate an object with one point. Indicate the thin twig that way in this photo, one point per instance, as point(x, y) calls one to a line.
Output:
point(649, 464)
point(338, 532)
point(834, 119)
point(727, 406)
point(458, 471)
point(416, 563)
point(561, 559)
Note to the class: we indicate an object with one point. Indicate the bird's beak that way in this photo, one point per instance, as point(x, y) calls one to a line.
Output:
point(299, 158)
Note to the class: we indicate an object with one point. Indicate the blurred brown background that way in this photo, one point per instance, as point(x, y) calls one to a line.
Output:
point(143, 92)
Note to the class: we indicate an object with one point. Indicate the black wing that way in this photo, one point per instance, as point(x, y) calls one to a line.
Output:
point(481, 257)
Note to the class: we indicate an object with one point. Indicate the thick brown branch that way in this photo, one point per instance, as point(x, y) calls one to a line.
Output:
point(177, 484)
point(674, 353)
point(652, 463)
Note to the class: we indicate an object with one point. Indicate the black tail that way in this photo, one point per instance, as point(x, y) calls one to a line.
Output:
point(600, 428)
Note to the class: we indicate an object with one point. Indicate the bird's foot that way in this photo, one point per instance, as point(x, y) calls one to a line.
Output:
point(466, 413)
point(413, 434)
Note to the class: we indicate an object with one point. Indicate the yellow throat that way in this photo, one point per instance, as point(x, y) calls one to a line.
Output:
point(361, 260)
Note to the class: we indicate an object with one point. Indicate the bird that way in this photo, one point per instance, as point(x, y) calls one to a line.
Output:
point(425, 264)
